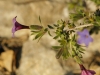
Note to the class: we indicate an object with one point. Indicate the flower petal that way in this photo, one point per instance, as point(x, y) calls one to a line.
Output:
point(80, 40)
point(85, 32)
point(13, 29)
point(84, 37)
point(85, 71)
point(17, 26)
point(91, 71)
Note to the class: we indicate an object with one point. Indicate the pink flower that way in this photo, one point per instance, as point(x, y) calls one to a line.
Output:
point(17, 26)
point(85, 71)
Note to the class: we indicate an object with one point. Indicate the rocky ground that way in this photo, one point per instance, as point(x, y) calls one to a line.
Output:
point(23, 56)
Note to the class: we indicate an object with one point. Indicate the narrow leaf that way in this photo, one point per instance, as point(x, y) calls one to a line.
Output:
point(55, 25)
point(56, 47)
point(49, 33)
point(50, 27)
point(38, 35)
point(34, 32)
point(35, 27)
point(56, 37)
point(39, 19)
point(59, 53)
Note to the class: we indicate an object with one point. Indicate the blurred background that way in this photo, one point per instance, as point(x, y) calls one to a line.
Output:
point(23, 56)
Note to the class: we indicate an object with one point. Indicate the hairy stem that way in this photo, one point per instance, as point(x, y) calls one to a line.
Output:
point(82, 26)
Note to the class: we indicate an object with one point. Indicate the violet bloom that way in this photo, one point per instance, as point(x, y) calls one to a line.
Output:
point(85, 71)
point(84, 37)
point(17, 26)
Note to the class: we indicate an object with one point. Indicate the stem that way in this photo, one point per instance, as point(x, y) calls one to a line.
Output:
point(70, 36)
point(83, 26)
point(80, 27)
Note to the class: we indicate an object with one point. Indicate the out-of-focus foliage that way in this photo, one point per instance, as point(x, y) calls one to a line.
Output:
point(75, 5)
point(97, 2)
point(78, 10)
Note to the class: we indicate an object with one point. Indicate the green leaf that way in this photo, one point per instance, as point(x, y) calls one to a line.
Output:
point(35, 27)
point(39, 19)
point(81, 50)
point(49, 33)
point(49, 26)
point(56, 37)
point(77, 16)
point(56, 47)
point(79, 55)
point(34, 32)
point(74, 37)
point(46, 29)
point(66, 53)
point(77, 59)
point(39, 35)
point(73, 53)
point(55, 25)
point(59, 53)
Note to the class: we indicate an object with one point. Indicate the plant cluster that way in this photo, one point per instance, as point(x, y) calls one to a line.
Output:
point(71, 36)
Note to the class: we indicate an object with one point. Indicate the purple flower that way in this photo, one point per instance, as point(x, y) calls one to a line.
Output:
point(84, 37)
point(85, 71)
point(17, 26)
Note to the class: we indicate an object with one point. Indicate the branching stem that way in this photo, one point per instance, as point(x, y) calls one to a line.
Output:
point(80, 27)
